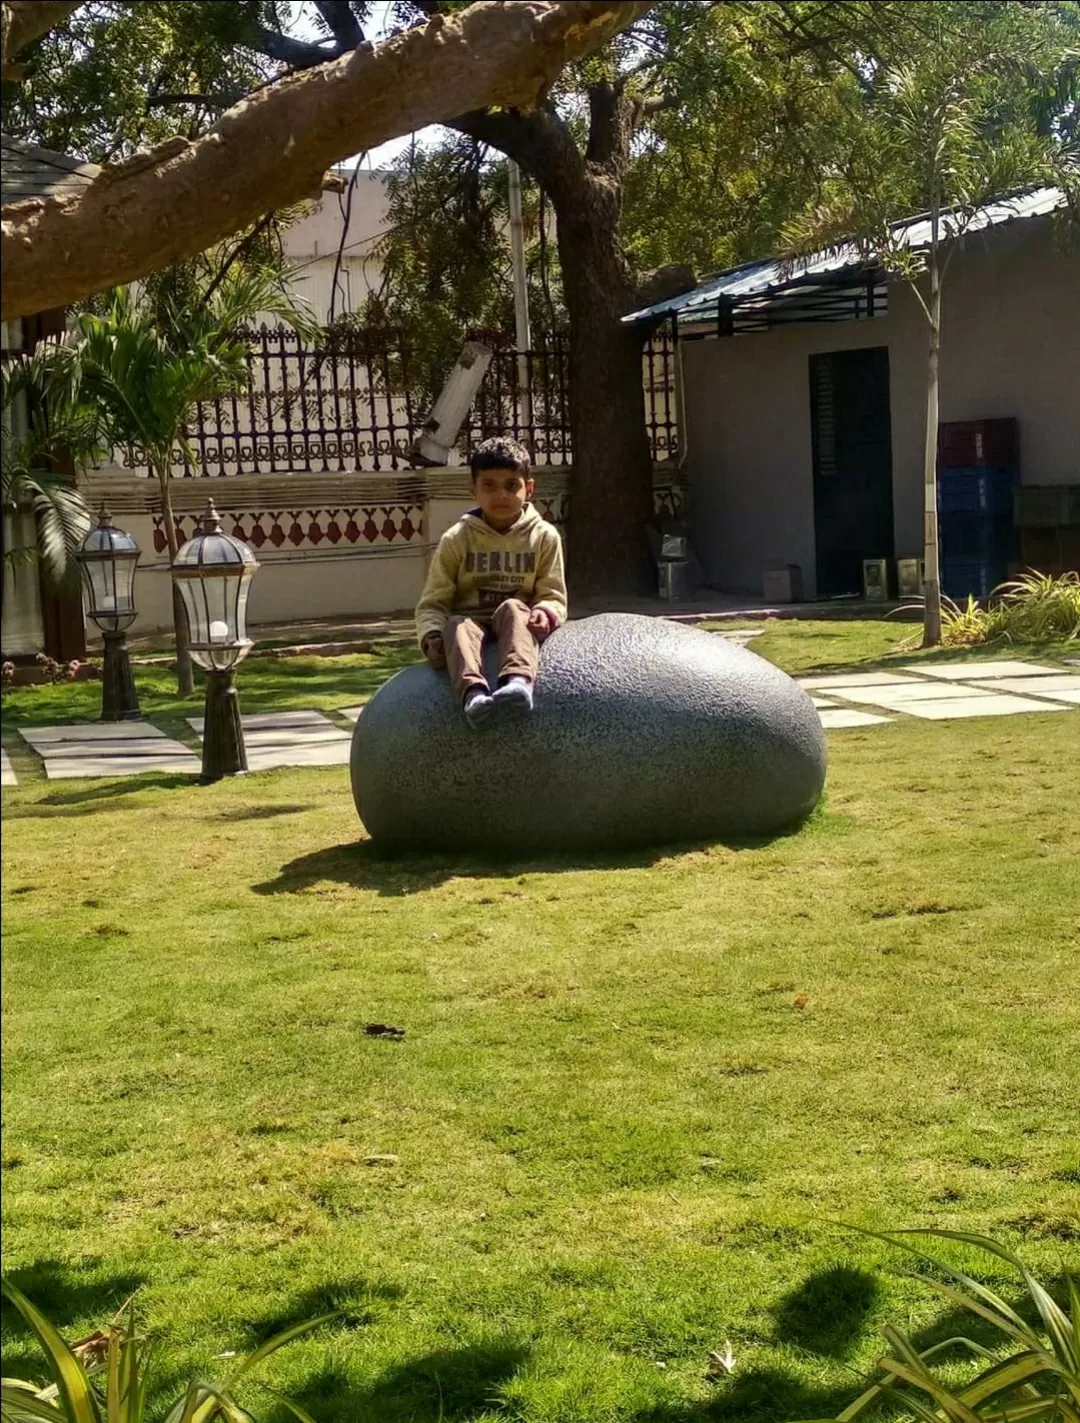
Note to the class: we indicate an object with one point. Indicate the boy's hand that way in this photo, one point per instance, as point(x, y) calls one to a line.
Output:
point(433, 650)
point(541, 624)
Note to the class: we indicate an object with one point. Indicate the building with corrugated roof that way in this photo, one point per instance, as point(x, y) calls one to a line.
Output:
point(804, 391)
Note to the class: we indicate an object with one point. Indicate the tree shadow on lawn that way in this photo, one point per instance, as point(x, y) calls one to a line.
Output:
point(394, 873)
point(355, 1302)
point(775, 1395)
point(828, 1313)
point(66, 1295)
point(763, 1395)
point(448, 1386)
point(59, 805)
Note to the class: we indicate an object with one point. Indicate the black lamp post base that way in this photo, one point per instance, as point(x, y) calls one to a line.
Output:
point(224, 753)
point(119, 701)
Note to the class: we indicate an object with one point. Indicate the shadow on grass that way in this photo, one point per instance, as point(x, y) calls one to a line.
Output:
point(763, 1395)
point(59, 805)
point(67, 1295)
point(260, 812)
point(829, 1312)
point(355, 1302)
point(394, 872)
point(449, 1386)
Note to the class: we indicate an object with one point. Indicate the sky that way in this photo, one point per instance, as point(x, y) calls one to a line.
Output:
point(304, 28)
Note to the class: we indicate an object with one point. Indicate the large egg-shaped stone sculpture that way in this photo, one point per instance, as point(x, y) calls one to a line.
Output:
point(644, 732)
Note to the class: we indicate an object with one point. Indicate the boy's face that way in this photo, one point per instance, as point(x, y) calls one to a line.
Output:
point(501, 495)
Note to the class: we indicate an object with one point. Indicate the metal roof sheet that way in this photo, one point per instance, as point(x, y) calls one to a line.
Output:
point(756, 279)
point(27, 171)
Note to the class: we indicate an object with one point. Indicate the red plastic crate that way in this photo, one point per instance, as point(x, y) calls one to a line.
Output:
point(969, 444)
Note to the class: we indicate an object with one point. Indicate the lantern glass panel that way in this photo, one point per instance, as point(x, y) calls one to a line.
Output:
point(214, 573)
point(108, 559)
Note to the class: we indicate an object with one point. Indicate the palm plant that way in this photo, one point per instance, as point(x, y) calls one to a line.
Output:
point(105, 1378)
point(143, 361)
point(54, 427)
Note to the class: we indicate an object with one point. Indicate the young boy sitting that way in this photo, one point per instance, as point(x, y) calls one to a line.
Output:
point(497, 572)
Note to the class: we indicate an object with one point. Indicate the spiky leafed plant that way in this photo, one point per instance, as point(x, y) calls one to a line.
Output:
point(1036, 1379)
point(143, 361)
point(106, 1379)
point(1038, 607)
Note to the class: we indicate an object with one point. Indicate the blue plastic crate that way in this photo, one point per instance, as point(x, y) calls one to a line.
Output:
point(962, 578)
point(978, 537)
point(973, 491)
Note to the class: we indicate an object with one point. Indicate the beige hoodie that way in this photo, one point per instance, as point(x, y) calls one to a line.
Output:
point(475, 568)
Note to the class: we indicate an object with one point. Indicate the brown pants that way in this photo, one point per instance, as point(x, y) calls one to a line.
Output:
point(464, 642)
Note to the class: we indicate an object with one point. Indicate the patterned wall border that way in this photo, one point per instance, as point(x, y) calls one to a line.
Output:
point(365, 526)
point(270, 529)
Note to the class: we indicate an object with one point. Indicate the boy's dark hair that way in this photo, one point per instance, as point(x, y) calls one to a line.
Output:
point(499, 453)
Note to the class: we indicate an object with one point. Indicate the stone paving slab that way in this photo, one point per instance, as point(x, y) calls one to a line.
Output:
point(1072, 698)
point(272, 721)
point(270, 758)
point(973, 670)
point(838, 717)
point(295, 738)
point(1035, 686)
point(93, 731)
point(90, 749)
point(352, 713)
point(287, 735)
point(985, 705)
point(7, 771)
point(910, 692)
point(66, 768)
point(820, 702)
point(837, 680)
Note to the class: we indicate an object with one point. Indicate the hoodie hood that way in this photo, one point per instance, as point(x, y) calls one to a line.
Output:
point(525, 520)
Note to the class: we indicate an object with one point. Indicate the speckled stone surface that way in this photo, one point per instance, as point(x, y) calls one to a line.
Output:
point(644, 733)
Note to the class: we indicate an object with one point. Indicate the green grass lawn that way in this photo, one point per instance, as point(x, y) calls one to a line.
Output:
point(632, 1096)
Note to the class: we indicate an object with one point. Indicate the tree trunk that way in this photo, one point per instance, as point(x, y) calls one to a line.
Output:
point(931, 546)
point(185, 677)
point(611, 500)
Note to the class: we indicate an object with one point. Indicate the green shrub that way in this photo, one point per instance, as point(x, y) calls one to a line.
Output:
point(1036, 1381)
point(1039, 608)
point(966, 625)
point(1036, 607)
point(104, 1380)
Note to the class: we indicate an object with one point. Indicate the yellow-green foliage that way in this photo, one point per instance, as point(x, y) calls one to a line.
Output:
point(1037, 1380)
point(105, 1379)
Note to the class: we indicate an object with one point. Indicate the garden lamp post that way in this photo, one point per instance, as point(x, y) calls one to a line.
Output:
point(107, 560)
point(213, 572)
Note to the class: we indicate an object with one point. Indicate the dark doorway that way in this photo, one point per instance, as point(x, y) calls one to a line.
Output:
point(852, 445)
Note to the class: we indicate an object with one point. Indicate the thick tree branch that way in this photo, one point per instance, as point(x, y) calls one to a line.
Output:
point(610, 126)
point(27, 20)
point(274, 147)
point(297, 54)
point(656, 104)
point(22, 22)
point(540, 141)
point(343, 24)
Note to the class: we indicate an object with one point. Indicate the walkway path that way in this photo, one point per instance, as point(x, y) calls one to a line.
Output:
point(944, 691)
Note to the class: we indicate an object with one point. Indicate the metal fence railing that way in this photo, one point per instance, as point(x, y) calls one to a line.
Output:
point(347, 404)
